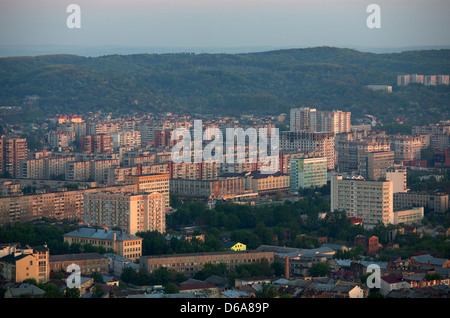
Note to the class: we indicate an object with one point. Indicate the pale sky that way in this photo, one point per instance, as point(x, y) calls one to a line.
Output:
point(225, 23)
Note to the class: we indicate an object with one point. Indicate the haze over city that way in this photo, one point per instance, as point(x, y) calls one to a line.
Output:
point(218, 26)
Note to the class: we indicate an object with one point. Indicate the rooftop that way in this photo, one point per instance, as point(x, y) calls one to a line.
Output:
point(101, 234)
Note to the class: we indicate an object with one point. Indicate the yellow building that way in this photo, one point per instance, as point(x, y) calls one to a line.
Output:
point(234, 246)
point(131, 213)
point(124, 244)
point(27, 263)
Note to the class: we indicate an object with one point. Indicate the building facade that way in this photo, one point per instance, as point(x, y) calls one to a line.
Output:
point(12, 150)
point(311, 120)
point(307, 173)
point(371, 201)
point(131, 213)
point(150, 183)
point(124, 244)
point(189, 264)
point(322, 144)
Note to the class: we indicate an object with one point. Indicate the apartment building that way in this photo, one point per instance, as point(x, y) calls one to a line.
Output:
point(194, 171)
point(26, 263)
point(433, 80)
point(405, 147)
point(150, 183)
point(405, 80)
point(91, 170)
point(64, 205)
point(398, 175)
point(370, 201)
point(437, 203)
point(126, 138)
point(414, 215)
point(263, 183)
point(383, 88)
point(106, 127)
point(32, 169)
point(190, 264)
point(43, 168)
point(124, 244)
point(311, 120)
point(60, 139)
point(98, 143)
point(307, 173)
point(442, 127)
point(118, 175)
point(12, 150)
point(223, 187)
point(348, 152)
point(322, 144)
point(78, 171)
point(147, 129)
point(131, 213)
point(374, 165)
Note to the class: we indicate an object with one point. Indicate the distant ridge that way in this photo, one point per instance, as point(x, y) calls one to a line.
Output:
point(94, 51)
point(266, 82)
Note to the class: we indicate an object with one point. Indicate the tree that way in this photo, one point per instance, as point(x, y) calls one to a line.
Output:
point(171, 288)
point(266, 291)
point(72, 293)
point(98, 291)
point(278, 268)
point(319, 269)
point(98, 277)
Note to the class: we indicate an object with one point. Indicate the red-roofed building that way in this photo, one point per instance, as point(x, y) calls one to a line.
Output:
point(355, 220)
point(393, 282)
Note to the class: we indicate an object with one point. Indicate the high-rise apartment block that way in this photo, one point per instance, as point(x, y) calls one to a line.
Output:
point(63, 205)
point(397, 174)
point(131, 213)
point(371, 201)
point(322, 144)
point(405, 147)
point(405, 80)
point(373, 165)
point(433, 80)
point(152, 183)
point(308, 173)
point(126, 138)
point(311, 120)
point(12, 150)
point(97, 143)
point(348, 152)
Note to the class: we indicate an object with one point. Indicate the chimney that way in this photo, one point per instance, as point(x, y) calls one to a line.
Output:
point(286, 274)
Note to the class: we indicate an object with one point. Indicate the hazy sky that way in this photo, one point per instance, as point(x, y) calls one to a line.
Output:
point(225, 23)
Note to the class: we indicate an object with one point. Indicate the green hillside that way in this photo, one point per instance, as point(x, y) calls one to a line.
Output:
point(264, 83)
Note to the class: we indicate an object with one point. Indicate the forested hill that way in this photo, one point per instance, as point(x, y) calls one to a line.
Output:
point(266, 82)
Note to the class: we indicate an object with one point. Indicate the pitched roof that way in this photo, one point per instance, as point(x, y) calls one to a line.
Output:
point(393, 279)
point(427, 258)
point(100, 234)
point(26, 289)
point(75, 257)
